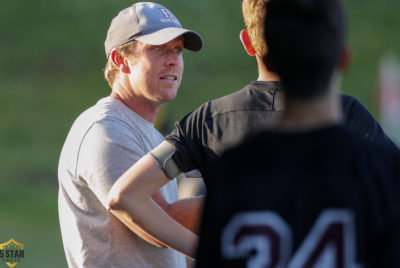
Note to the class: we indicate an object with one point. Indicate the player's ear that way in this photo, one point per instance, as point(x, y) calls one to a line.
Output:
point(120, 61)
point(244, 37)
point(345, 59)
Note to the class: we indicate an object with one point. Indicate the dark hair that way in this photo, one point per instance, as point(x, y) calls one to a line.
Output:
point(305, 39)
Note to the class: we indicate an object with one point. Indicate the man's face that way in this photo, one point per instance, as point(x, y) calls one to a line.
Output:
point(156, 71)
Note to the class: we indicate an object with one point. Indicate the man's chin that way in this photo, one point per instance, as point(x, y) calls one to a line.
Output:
point(167, 97)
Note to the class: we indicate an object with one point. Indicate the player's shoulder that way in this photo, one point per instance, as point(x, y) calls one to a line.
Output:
point(379, 150)
point(212, 108)
point(373, 155)
point(350, 105)
point(257, 95)
point(348, 99)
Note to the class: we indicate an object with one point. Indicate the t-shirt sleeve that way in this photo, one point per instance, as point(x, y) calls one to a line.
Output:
point(186, 140)
point(107, 151)
point(361, 122)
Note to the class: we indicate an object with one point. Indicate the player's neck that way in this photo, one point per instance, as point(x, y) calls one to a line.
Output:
point(264, 74)
point(317, 113)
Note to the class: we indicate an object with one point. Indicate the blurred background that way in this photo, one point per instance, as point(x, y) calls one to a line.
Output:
point(51, 62)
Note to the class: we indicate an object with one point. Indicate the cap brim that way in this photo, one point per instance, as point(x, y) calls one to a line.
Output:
point(193, 40)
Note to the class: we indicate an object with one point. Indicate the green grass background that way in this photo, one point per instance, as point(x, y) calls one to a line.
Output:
point(51, 61)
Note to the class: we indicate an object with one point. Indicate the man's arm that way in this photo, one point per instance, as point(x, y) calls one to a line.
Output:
point(130, 200)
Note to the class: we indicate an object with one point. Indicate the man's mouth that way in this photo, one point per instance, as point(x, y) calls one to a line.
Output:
point(169, 77)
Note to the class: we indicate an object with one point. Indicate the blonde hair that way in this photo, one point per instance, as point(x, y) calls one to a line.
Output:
point(111, 71)
point(254, 16)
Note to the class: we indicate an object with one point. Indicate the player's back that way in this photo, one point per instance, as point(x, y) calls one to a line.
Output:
point(204, 134)
point(305, 200)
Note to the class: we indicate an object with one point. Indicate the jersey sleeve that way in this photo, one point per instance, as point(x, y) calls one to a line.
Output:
point(361, 122)
point(106, 152)
point(187, 141)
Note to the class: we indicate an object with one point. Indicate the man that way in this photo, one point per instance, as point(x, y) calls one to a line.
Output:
point(308, 193)
point(204, 134)
point(144, 50)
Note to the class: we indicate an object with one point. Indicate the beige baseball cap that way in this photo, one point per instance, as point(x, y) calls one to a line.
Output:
point(149, 23)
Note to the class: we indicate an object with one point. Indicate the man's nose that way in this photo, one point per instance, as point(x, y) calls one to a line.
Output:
point(173, 58)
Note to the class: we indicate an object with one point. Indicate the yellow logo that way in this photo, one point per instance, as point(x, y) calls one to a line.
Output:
point(12, 252)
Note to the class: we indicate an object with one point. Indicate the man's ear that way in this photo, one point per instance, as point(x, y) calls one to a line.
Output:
point(120, 61)
point(345, 59)
point(244, 37)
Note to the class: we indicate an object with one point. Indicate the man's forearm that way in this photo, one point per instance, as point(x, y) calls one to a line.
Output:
point(123, 217)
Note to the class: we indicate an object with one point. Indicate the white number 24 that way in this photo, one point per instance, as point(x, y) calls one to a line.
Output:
point(265, 239)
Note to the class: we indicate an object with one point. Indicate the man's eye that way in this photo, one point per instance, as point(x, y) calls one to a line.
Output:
point(159, 49)
point(178, 50)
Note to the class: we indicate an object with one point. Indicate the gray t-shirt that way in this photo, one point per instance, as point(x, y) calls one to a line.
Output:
point(102, 144)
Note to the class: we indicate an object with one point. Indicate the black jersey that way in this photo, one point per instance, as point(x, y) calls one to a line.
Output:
point(303, 200)
point(201, 136)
